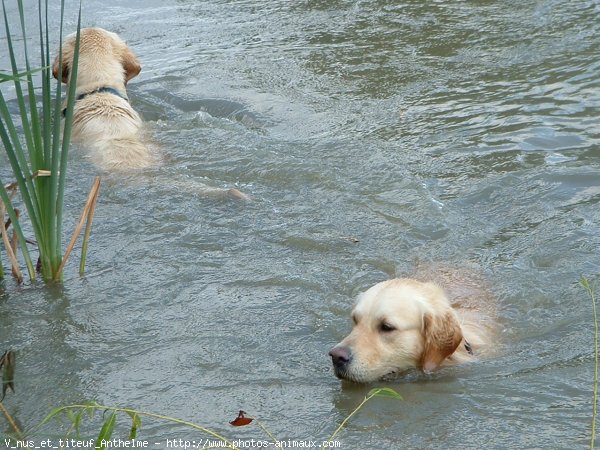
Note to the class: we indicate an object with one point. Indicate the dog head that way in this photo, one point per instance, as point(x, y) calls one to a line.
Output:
point(399, 325)
point(103, 58)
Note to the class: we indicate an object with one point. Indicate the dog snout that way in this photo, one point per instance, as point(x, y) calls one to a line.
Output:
point(340, 356)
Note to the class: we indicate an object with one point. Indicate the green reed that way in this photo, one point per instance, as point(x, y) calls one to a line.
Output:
point(76, 414)
point(590, 289)
point(34, 145)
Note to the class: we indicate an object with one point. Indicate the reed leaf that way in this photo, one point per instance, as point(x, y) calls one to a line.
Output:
point(88, 224)
point(106, 431)
point(108, 425)
point(43, 146)
point(5, 77)
point(590, 288)
point(27, 130)
point(5, 200)
point(59, 166)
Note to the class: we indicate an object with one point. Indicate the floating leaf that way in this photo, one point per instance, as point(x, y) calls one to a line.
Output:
point(241, 420)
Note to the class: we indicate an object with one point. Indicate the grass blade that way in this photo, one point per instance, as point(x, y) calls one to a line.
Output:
point(95, 406)
point(384, 392)
point(46, 140)
point(5, 201)
point(27, 131)
point(18, 77)
point(380, 392)
point(91, 201)
point(14, 152)
point(590, 289)
point(136, 423)
point(47, 110)
point(9, 250)
point(106, 431)
point(36, 138)
point(61, 172)
point(88, 227)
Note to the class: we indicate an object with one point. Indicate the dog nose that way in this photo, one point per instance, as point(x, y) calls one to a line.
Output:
point(340, 356)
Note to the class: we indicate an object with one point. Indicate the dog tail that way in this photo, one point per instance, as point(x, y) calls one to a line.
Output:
point(121, 154)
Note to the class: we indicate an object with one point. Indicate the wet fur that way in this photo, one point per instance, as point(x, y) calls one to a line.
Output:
point(404, 324)
point(105, 124)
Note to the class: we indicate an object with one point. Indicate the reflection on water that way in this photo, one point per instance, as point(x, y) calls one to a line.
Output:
point(374, 137)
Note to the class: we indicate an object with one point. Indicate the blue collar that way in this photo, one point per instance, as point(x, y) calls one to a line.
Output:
point(100, 90)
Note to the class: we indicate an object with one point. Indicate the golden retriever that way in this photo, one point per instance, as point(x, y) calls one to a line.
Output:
point(404, 324)
point(104, 123)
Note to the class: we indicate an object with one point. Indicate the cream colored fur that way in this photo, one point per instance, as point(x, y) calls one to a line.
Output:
point(104, 124)
point(404, 324)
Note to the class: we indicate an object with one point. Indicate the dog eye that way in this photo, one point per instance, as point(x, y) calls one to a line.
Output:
point(386, 327)
point(354, 320)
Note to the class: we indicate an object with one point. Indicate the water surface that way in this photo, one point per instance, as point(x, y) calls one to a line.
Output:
point(374, 137)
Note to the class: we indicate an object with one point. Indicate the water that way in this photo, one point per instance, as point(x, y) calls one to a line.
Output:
point(374, 137)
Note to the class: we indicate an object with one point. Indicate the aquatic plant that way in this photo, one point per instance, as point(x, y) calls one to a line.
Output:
point(590, 289)
point(37, 149)
point(76, 414)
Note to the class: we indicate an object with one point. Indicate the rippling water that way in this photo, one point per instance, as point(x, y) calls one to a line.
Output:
point(374, 137)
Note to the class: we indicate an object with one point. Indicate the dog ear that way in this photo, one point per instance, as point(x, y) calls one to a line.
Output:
point(442, 336)
point(130, 63)
point(64, 73)
point(67, 49)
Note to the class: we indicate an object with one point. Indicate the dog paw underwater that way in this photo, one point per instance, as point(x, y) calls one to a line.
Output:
point(105, 126)
point(403, 324)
